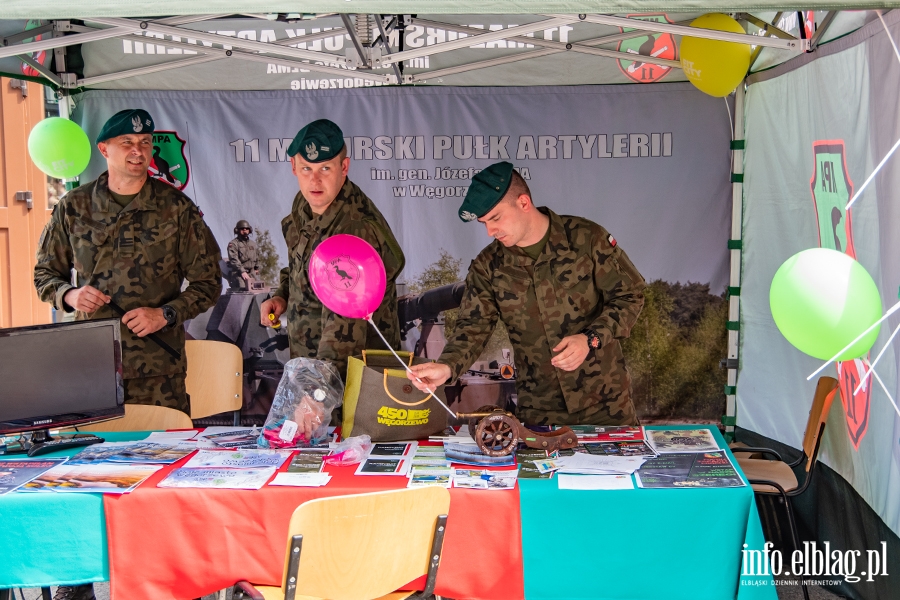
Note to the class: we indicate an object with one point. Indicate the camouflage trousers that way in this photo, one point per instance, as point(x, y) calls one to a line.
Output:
point(616, 411)
point(165, 390)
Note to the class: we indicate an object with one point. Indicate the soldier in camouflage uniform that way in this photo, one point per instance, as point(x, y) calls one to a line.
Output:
point(243, 258)
point(567, 294)
point(132, 240)
point(329, 204)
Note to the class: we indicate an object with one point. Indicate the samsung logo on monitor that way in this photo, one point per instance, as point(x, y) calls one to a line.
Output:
point(43, 421)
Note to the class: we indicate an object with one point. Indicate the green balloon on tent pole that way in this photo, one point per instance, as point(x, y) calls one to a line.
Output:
point(822, 300)
point(59, 148)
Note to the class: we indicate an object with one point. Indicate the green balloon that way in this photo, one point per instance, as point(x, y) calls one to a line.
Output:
point(59, 148)
point(822, 300)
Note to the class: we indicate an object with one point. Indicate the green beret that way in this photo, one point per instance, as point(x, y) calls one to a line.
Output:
point(487, 188)
point(124, 122)
point(317, 142)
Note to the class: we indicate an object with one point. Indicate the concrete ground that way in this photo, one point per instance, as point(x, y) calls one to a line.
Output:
point(785, 592)
point(101, 590)
point(794, 592)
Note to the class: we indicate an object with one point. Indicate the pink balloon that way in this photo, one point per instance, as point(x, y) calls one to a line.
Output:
point(347, 275)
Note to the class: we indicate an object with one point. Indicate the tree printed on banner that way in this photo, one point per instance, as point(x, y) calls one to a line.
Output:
point(267, 255)
point(658, 45)
point(831, 191)
point(673, 354)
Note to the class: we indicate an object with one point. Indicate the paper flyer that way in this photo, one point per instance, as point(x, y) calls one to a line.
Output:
point(245, 459)
point(107, 478)
point(301, 479)
point(594, 482)
point(383, 466)
point(689, 470)
point(484, 479)
point(225, 478)
point(682, 440)
point(404, 449)
point(16, 473)
point(163, 453)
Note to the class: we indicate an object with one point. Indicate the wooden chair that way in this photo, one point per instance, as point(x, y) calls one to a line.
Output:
point(215, 378)
point(144, 417)
point(776, 477)
point(361, 547)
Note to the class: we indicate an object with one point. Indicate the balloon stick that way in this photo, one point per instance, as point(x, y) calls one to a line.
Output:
point(892, 310)
point(408, 370)
point(875, 362)
point(872, 176)
point(884, 387)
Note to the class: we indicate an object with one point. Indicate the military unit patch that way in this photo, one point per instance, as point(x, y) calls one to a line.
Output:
point(657, 45)
point(169, 163)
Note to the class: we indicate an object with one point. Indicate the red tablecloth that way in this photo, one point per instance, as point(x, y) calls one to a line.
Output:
point(186, 543)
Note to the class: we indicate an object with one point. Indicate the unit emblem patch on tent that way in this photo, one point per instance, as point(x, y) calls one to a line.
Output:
point(169, 163)
point(38, 57)
point(832, 189)
point(658, 45)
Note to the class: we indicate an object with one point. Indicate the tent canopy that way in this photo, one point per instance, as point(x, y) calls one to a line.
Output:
point(269, 51)
point(46, 9)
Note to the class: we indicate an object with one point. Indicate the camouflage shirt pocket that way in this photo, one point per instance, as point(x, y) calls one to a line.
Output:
point(577, 281)
point(289, 230)
point(159, 247)
point(87, 237)
point(511, 291)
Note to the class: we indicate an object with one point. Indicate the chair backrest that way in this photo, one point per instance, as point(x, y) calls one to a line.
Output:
point(144, 417)
point(214, 379)
point(826, 389)
point(365, 545)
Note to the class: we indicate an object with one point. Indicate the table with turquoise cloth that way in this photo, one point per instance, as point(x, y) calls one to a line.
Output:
point(642, 543)
point(54, 539)
point(622, 545)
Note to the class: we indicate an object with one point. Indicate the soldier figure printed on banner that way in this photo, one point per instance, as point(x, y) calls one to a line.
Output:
point(243, 258)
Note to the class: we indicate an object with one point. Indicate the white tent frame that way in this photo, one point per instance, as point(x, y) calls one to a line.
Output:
point(362, 57)
point(211, 46)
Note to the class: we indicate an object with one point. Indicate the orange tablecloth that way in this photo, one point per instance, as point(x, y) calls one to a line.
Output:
point(186, 543)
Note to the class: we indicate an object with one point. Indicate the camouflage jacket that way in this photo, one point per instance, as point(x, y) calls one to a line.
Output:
point(139, 255)
point(314, 330)
point(581, 280)
point(242, 256)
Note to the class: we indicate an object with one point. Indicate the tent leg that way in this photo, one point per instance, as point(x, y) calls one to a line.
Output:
point(734, 245)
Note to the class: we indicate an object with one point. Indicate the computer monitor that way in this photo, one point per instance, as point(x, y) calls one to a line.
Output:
point(59, 375)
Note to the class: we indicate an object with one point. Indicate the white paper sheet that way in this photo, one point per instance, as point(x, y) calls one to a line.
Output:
point(592, 464)
point(594, 482)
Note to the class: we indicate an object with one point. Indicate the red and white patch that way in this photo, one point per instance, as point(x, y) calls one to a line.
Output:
point(612, 241)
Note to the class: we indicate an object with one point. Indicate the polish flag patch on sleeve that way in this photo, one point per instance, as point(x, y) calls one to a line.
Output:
point(612, 241)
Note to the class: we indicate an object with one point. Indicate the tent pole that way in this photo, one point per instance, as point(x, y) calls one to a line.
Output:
point(735, 246)
point(584, 47)
point(725, 36)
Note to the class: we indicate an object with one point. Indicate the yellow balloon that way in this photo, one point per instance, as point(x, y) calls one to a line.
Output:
point(713, 66)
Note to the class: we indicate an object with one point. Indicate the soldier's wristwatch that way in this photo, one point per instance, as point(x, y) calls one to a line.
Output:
point(169, 314)
point(593, 338)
